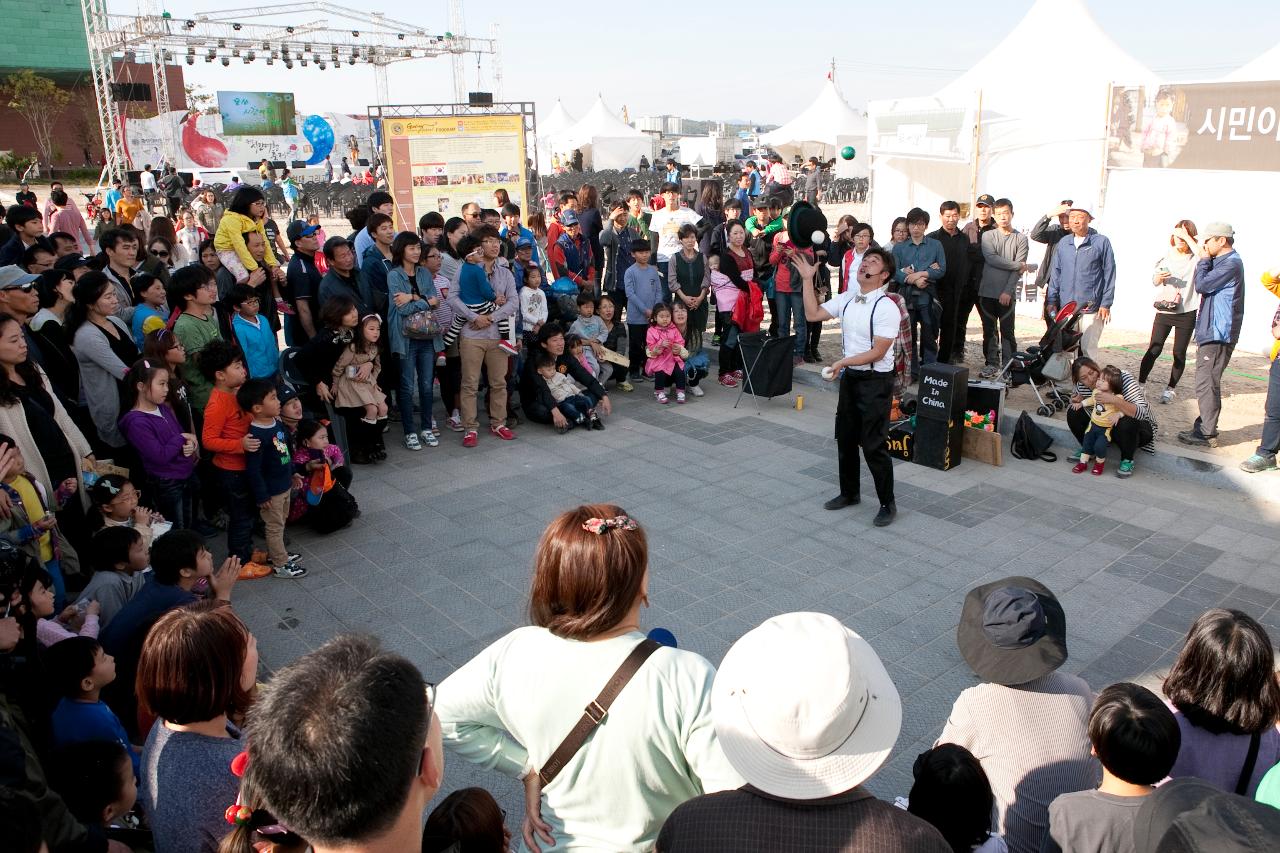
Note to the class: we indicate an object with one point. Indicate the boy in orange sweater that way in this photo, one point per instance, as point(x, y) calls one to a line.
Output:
point(226, 436)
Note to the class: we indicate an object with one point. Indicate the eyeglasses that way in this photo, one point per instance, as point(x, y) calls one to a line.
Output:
point(161, 254)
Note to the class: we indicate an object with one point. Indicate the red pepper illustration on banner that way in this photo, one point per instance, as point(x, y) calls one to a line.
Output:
point(203, 150)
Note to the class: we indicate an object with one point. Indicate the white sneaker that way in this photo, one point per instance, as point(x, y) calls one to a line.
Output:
point(697, 391)
point(411, 442)
point(429, 438)
point(661, 397)
point(679, 396)
point(1168, 395)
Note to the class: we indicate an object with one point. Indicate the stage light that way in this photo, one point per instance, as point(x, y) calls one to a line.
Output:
point(355, 34)
point(303, 62)
point(191, 51)
point(265, 46)
point(225, 61)
point(289, 30)
point(271, 60)
point(236, 52)
point(306, 47)
point(130, 56)
point(400, 36)
point(222, 42)
point(252, 56)
point(191, 25)
point(408, 54)
point(191, 60)
point(321, 65)
point(352, 60)
point(235, 27)
point(247, 60)
point(288, 63)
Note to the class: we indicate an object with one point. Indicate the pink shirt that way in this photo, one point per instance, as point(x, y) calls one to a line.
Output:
point(669, 360)
point(780, 174)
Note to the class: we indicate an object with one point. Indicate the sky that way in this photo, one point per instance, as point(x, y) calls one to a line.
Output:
point(712, 66)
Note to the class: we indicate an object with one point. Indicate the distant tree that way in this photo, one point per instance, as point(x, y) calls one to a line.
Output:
point(85, 130)
point(40, 102)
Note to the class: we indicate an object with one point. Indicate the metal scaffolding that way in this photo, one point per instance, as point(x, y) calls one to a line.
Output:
point(244, 35)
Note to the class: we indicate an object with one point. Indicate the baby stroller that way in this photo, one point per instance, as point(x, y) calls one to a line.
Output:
point(1048, 363)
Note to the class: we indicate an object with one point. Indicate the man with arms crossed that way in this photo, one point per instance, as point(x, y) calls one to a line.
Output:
point(868, 324)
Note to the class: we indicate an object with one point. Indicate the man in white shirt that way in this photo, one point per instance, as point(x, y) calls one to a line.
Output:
point(869, 323)
point(666, 224)
point(149, 186)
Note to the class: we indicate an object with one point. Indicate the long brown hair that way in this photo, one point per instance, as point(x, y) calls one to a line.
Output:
point(585, 583)
point(161, 226)
point(588, 197)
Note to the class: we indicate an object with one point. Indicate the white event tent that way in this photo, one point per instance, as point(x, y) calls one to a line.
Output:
point(558, 121)
point(1042, 132)
point(825, 127)
point(606, 141)
point(1264, 67)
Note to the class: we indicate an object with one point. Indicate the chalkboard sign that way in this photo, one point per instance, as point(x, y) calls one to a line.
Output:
point(944, 392)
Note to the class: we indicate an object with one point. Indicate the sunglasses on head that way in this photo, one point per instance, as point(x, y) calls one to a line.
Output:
point(25, 288)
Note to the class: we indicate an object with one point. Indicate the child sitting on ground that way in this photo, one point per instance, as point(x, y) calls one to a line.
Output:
point(30, 523)
point(477, 293)
point(664, 349)
point(564, 393)
point(591, 329)
point(120, 558)
point(35, 612)
point(1102, 417)
point(1136, 738)
point(96, 780)
point(323, 502)
point(573, 345)
point(115, 500)
point(253, 333)
point(952, 792)
point(79, 669)
point(168, 452)
point(269, 470)
point(355, 386)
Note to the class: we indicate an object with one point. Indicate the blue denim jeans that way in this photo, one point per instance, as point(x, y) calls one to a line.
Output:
point(172, 499)
point(791, 313)
point(924, 335)
point(418, 363)
point(1271, 414)
point(241, 511)
point(1095, 442)
point(576, 408)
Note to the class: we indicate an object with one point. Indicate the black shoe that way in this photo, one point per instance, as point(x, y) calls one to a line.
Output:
point(360, 457)
point(840, 502)
point(810, 358)
point(596, 423)
point(886, 515)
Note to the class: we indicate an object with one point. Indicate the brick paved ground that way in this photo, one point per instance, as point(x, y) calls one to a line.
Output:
point(438, 566)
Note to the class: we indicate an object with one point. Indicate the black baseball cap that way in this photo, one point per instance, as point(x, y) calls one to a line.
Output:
point(986, 199)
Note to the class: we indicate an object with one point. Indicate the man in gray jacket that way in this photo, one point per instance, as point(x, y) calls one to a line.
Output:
point(1004, 256)
point(1049, 229)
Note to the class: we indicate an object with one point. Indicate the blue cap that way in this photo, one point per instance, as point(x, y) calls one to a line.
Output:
point(568, 217)
point(523, 243)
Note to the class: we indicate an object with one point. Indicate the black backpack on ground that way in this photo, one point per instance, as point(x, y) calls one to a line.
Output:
point(1030, 441)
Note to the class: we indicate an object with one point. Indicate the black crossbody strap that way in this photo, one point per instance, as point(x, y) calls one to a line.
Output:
point(1250, 761)
point(595, 713)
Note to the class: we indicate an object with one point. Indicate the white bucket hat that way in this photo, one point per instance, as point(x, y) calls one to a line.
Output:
point(804, 708)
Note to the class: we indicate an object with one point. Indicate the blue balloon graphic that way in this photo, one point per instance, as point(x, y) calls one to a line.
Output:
point(320, 134)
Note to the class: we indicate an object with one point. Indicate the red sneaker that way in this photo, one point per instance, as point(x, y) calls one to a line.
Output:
point(1079, 467)
point(508, 347)
point(728, 381)
point(502, 432)
point(1097, 468)
point(470, 439)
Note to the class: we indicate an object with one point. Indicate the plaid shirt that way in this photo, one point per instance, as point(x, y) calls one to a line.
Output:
point(750, 819)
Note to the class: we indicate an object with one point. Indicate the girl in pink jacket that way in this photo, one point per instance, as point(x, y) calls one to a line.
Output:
point(665, 347)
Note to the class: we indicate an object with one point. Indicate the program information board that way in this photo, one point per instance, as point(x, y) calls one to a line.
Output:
point(442, 162)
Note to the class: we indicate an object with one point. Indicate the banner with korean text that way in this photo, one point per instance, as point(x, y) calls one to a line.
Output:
point(439, 163)
point(1225, 126)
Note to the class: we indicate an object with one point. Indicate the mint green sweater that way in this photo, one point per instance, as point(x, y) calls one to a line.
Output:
point(655, 749)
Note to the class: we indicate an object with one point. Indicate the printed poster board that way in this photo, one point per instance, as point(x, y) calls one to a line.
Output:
point(1227, 126)
point(439, 163)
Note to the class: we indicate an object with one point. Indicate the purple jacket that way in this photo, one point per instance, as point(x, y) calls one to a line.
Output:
point(158, 440)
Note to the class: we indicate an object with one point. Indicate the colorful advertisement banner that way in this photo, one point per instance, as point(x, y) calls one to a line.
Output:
point(256, 113)
point(1226, 126)
point(202, 145)
point(440, 163)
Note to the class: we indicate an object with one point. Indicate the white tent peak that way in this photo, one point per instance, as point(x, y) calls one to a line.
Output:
point(1024, 70)
point(597, 121)
point(556, 121)
point(1264, 67)
point(828, 117)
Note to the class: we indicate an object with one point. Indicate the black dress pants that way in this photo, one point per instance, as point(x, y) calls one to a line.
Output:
point(862, 421)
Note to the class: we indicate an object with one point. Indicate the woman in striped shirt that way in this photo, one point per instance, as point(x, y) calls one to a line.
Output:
point(1136, 429)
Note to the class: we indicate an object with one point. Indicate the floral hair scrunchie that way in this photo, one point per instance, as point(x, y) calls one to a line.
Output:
point(600, 525)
